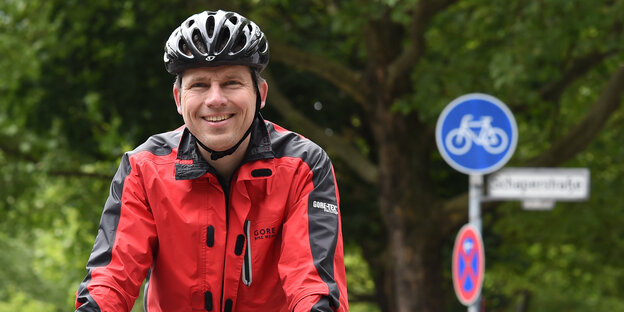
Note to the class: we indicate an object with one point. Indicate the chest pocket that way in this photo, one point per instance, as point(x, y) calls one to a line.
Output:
point(263, 232)
point(262, 249)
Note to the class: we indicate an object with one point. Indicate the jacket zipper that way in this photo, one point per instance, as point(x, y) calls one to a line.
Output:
point(247, 257)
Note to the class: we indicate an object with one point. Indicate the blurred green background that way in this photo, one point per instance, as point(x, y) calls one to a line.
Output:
point(84, 81)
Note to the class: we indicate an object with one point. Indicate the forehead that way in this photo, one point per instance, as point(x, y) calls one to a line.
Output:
point(218, 72)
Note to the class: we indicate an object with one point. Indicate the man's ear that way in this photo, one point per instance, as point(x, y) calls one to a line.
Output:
point(264, 90)
point(176, 96)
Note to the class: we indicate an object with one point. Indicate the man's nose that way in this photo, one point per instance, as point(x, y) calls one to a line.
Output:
point(215, 96)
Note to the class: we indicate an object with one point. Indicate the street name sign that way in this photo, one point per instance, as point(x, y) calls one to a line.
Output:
point(560, 184)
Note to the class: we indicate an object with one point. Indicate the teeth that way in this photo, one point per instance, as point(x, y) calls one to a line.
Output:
point(216, 118)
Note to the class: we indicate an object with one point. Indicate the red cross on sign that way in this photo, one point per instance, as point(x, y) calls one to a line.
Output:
point(468, 264)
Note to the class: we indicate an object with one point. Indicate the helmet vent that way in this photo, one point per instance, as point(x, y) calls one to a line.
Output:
point(190, 23)
point(198, 42)
point(233, 19)
point(223, 39)
point(184, 48)
point(263, 47)
point(239, 44)
point(210, 25)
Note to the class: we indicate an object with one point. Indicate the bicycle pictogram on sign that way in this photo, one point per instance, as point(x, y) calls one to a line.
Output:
point(459, 140)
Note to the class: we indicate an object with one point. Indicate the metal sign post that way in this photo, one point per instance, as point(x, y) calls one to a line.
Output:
point(474, 216)
point(474, 203)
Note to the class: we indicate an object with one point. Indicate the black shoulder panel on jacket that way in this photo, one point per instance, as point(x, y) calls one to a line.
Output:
point(290, 144)
point(160, 144)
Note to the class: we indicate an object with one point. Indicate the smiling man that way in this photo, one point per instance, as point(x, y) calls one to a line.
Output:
point(229, 212)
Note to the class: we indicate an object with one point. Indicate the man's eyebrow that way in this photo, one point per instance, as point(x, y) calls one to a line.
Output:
point(234, 76)
point(194, 79)
point(226, 76)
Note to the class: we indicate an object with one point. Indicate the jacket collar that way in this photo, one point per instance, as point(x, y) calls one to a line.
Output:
point(191, 165)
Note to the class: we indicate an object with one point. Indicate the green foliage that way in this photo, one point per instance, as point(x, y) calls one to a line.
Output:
point(21, 302)
point(360, 282)
point(84, 83)
point(48, 223)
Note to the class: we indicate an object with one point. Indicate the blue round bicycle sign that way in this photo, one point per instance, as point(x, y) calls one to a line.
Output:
point(476, 134)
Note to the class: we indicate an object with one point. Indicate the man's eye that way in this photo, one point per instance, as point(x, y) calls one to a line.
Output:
point(198, 85)
point(232, 83)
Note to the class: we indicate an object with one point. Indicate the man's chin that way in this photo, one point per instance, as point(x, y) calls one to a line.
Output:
point(218, 147)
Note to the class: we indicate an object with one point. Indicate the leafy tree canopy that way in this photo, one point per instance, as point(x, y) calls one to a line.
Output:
point(366, 80)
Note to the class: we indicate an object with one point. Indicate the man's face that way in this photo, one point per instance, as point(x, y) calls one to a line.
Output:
point(218, 103)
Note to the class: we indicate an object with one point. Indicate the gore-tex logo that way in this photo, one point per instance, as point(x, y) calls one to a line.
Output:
point(263, 233)
point(326, 207)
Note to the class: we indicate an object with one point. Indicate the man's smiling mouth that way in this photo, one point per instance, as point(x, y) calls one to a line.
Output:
point(217, 118)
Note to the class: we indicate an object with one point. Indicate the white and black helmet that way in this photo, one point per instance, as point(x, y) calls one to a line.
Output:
point(209, 39)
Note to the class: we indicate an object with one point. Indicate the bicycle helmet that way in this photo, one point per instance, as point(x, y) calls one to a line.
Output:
point(209, 39)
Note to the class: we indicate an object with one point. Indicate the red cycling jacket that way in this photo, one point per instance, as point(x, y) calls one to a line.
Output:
point(270, 242)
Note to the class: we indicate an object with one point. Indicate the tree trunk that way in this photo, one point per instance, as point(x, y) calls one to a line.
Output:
point(412, 223)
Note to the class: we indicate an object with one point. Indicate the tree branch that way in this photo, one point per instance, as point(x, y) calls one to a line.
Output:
point(422, 15)
point(332, 71)
point(333, 144)
point(80, 174)
point(585, 131)
point(15, 152)
point(579, 67)
point(28, 158)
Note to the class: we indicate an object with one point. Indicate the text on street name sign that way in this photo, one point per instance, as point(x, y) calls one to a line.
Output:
point(563, 184)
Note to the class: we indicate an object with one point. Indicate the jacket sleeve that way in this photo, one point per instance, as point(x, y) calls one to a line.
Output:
point(311, 264)
point(123, 249)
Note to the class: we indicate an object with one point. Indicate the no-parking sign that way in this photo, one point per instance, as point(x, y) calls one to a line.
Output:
point(468, 264)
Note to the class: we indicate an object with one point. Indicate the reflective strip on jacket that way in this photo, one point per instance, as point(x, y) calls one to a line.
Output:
point(274, 244)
